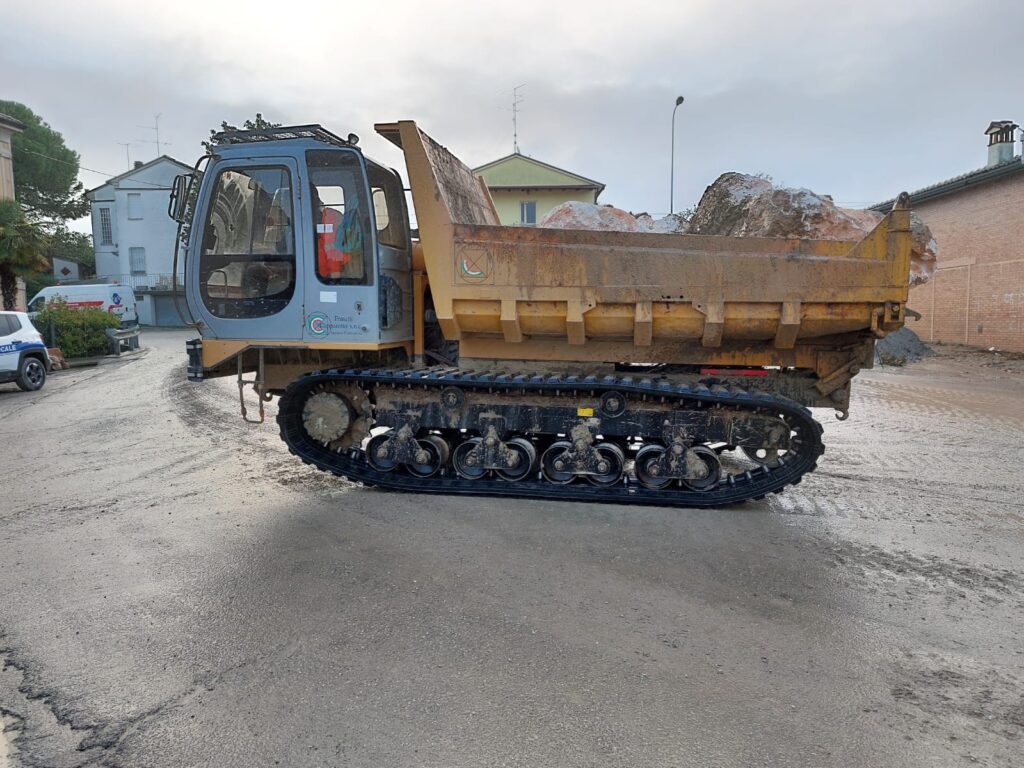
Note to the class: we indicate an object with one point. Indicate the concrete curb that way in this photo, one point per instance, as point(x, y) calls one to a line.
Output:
point(88, 362)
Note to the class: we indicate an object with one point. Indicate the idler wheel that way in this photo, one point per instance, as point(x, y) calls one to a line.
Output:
point(326, 417)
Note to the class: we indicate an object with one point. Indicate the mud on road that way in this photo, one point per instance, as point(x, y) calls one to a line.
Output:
point(181, 591)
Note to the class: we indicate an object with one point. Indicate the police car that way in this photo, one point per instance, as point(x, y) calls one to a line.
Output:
point(23, 356)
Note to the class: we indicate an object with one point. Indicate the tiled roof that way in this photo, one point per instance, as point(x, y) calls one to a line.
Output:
point(957, 183)
point(11, 122)
point(138, 168)
point(582, 181)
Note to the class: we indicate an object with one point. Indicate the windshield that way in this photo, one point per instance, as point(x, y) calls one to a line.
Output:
point(247, 262)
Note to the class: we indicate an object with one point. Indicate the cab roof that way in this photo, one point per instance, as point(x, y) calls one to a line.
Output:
point(284, 133)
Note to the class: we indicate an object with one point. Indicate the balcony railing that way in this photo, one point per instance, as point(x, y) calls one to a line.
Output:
point(150, 282)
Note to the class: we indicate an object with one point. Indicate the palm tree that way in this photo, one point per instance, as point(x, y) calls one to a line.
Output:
point(22, 247)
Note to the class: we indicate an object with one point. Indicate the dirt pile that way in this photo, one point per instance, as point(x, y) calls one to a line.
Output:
point(741, 205)
point(901, 347)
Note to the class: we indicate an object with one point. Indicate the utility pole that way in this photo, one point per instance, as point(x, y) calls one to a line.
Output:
point(516, 101)
point(672, 166)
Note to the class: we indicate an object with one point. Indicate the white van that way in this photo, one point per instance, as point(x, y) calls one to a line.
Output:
point(116, 299)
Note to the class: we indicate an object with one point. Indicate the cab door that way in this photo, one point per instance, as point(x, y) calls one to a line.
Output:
point(394, 253)
point(341, 280)
point(245, 280)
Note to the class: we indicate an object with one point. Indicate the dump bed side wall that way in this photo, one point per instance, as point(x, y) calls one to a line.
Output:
point(526, 293)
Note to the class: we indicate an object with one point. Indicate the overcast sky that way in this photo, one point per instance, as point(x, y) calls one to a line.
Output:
point(858, 100)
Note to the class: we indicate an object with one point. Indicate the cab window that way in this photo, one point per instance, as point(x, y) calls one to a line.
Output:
point(386, 188)
point(341, 217)
point(247, 262)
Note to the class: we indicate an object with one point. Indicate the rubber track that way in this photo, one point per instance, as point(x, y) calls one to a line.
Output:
point(753, 484)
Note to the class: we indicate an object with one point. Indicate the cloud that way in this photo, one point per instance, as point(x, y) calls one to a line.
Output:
point(855, 100)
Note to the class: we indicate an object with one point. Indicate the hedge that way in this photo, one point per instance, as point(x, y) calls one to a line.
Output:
point(78, 332)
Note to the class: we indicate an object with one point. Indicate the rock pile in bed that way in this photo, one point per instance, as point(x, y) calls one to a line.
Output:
point(742, 205)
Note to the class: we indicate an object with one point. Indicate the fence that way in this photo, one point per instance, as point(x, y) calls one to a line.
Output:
point(150, 282)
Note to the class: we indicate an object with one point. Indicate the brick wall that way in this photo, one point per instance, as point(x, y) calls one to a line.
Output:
point(977, 293)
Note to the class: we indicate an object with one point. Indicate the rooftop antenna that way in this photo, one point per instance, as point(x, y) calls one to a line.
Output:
point(155, 127)
point(127, 150)
point(516, 101)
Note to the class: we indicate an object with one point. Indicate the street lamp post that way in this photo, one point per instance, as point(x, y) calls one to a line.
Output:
point(672, 187)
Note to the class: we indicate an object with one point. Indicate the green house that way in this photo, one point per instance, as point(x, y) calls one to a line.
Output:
point(524, 189)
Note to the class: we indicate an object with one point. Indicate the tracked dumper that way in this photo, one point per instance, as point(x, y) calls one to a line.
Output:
point(475, 358)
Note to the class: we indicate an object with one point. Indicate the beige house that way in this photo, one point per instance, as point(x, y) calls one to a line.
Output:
point(8, 127)
point(524, 189)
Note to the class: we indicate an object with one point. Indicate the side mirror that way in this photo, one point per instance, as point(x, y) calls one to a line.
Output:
point(177, 206)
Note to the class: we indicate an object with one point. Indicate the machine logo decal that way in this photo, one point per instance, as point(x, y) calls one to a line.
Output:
point(317, 323)
point(472, 270)
point(475, 265)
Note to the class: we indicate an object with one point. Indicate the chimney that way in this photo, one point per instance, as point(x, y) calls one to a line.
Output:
point(139, 163)
point(1001, 135)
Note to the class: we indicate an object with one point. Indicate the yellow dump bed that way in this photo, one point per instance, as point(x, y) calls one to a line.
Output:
point(525, 293)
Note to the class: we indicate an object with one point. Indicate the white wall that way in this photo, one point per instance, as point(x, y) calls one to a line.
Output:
point(144, 308)
point(154, 231)
point(106, 255)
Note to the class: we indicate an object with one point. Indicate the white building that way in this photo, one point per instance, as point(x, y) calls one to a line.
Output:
point(134, 238)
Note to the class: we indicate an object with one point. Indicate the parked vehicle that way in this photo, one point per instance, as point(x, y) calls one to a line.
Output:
point(516, 361)
point(23, 356)
point(117, 299)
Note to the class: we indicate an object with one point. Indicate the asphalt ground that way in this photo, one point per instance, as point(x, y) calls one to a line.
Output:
point(180, 591)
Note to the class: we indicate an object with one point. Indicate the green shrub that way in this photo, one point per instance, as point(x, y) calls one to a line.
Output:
point(78, 332)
